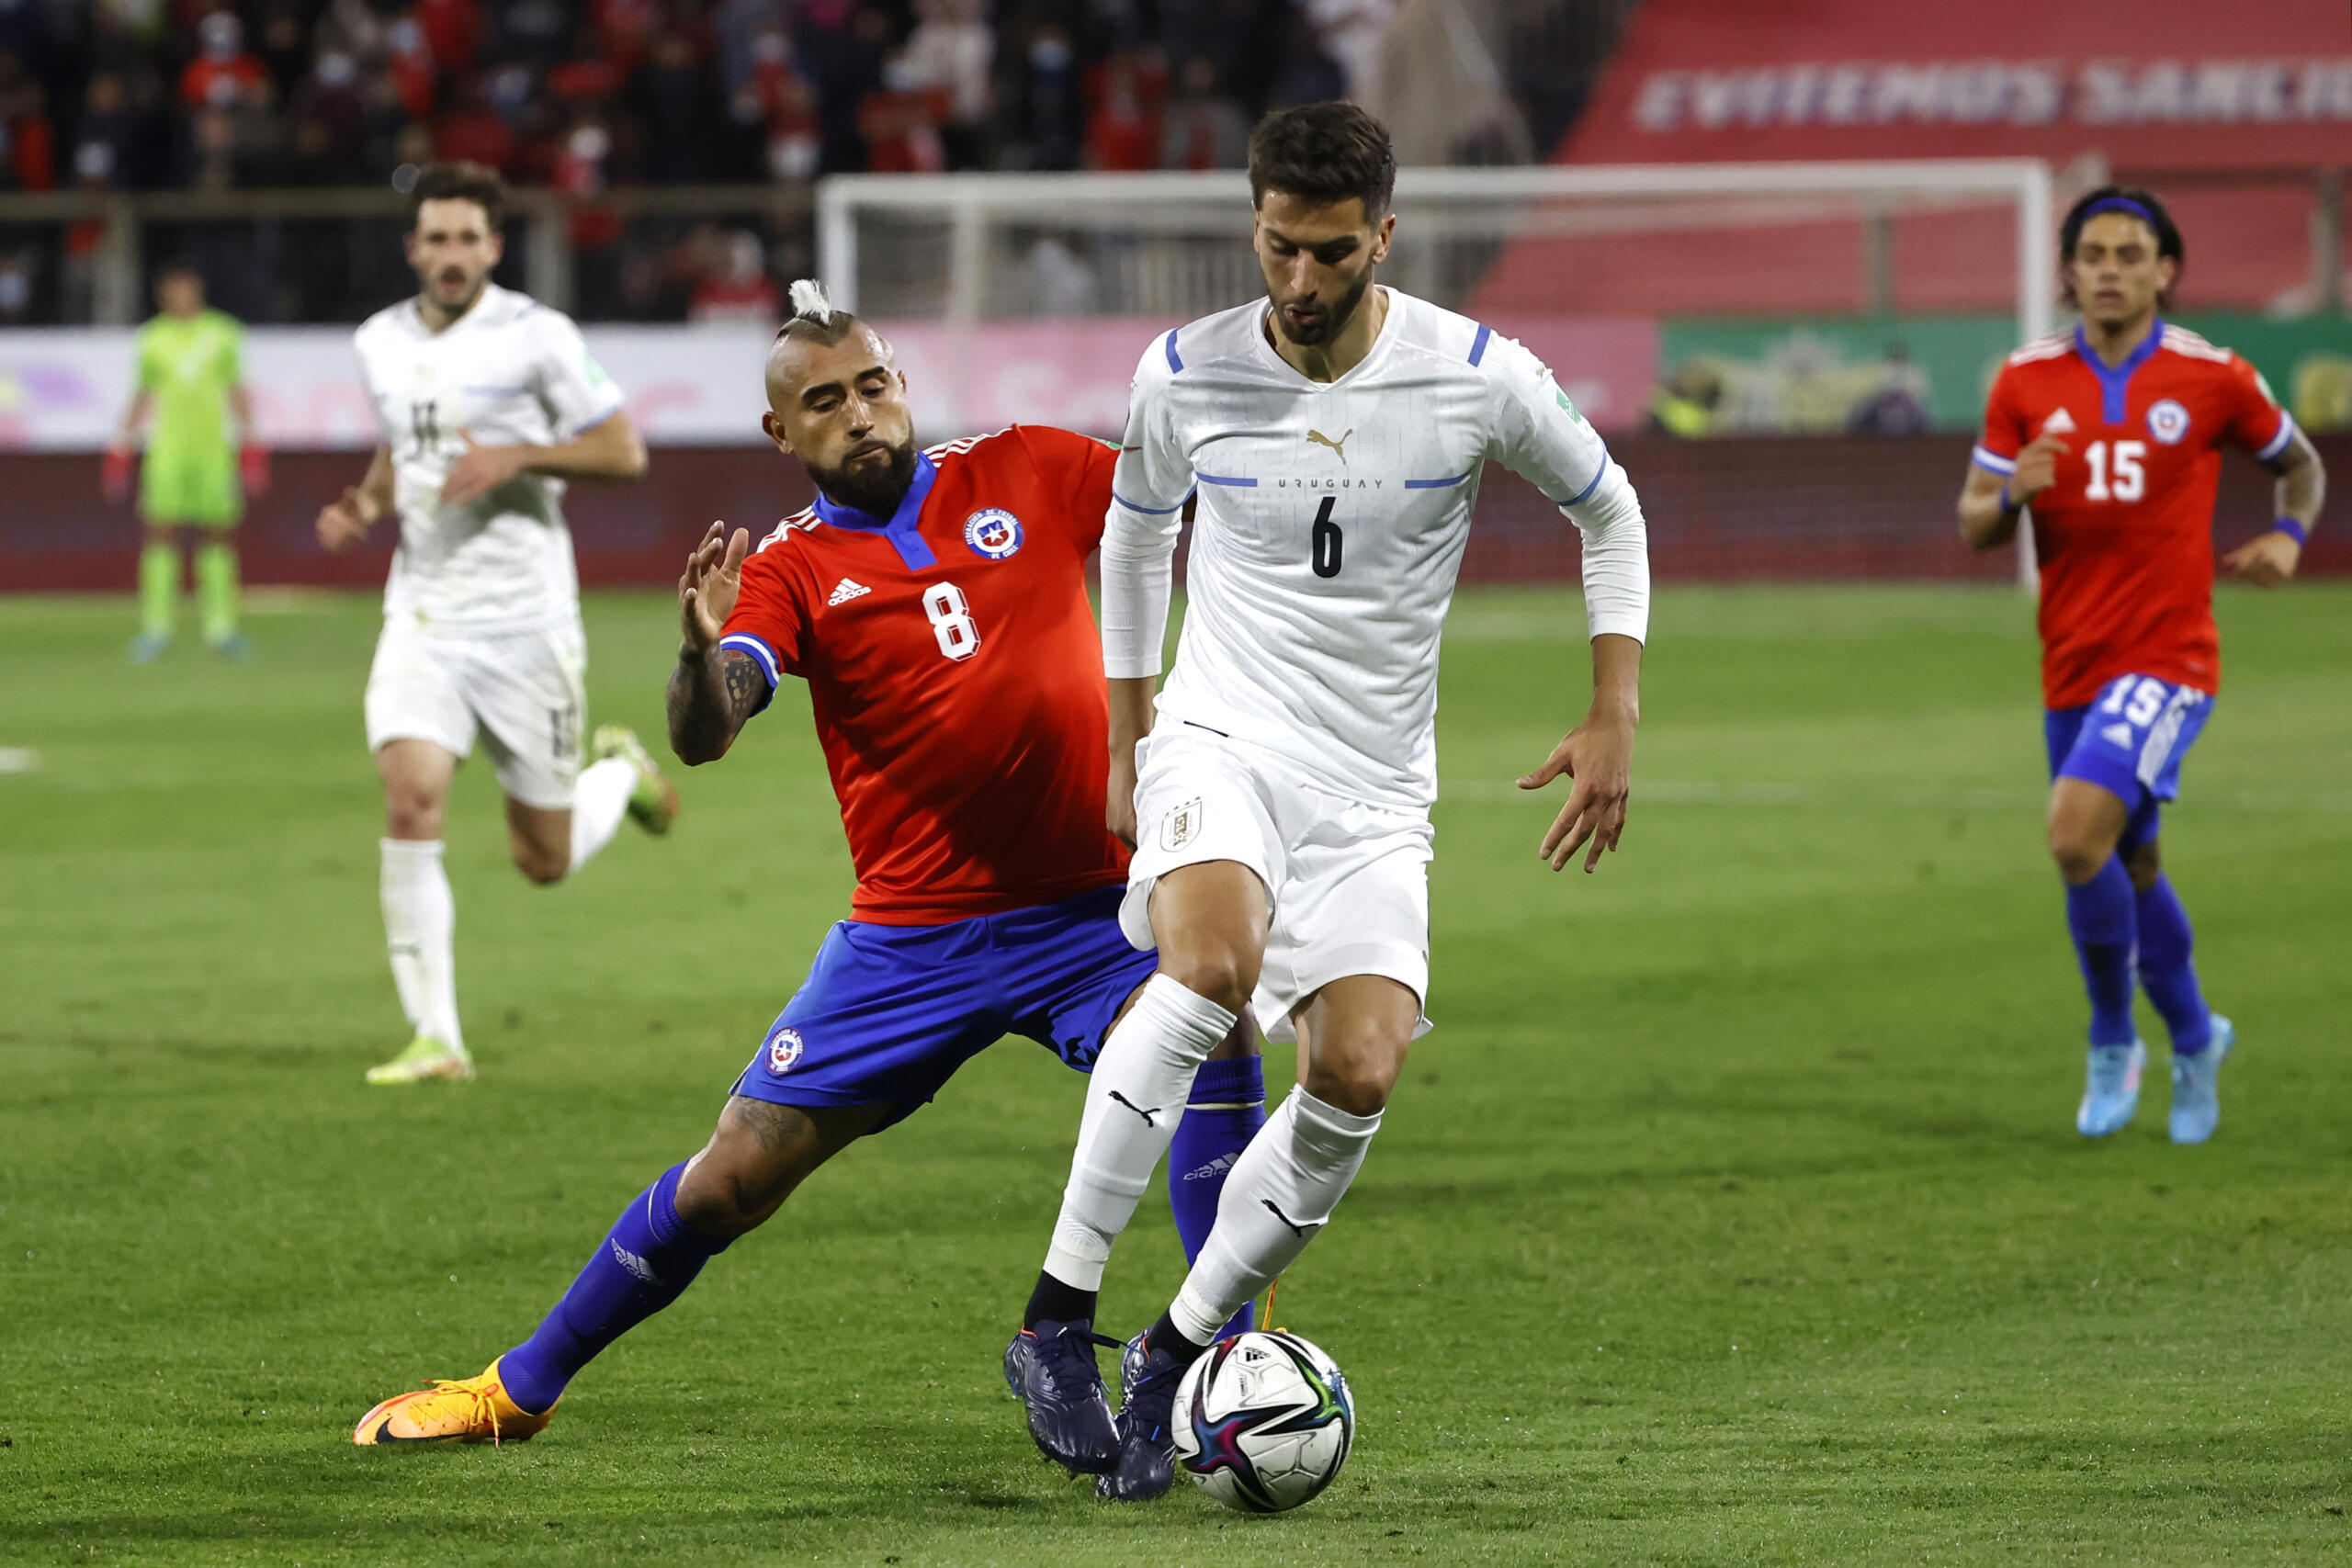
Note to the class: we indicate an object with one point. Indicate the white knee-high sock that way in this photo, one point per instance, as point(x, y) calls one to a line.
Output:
point(599, 801)
point(420, 925)
point(1277, 1196)
point(1133, 1100)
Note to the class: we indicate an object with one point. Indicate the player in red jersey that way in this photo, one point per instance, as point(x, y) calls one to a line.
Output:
point(2112, 434)
point(935, 603)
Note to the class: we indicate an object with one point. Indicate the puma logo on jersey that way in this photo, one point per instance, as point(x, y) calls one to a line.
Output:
point(2058, 423)
point(1340, 446)
point(847, 589)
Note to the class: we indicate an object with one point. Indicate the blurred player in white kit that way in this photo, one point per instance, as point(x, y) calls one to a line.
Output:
point(488, 401)
point(1333, 434)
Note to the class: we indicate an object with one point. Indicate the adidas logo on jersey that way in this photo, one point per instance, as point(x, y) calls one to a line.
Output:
point(2117, 735)
point(847, 589)
point(2058, 423)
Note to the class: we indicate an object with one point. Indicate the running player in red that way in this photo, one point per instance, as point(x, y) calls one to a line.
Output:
point(935, 603)
point(2112, 434)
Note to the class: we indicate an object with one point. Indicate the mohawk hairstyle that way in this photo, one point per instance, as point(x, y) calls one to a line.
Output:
point(813, 318)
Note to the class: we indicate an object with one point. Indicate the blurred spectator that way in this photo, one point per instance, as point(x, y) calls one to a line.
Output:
point(900, 121)
point(1308, 75)
point(28, 161)
point(475, 131)
point(844, 64)
point(671, 96)
point(1048, 108)
point(283, 45)
point(1203, 130)
point(221, 68)
point(741, 288)
point(452, 31)
point(952, 49)
point(410, 65)
point(1123, 131)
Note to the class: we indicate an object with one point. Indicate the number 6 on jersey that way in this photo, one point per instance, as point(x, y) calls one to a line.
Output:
point(951, 620)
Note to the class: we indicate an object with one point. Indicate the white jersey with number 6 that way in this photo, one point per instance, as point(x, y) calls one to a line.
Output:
point(1330, 527)
point(510, 371)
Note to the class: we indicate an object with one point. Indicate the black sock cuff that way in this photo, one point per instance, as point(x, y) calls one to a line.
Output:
point(1055, 1301)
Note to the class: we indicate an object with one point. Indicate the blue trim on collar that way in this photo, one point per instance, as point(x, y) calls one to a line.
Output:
point(1478, 343)
point(2115, 381)
point(1174, 364)
point(902, 527)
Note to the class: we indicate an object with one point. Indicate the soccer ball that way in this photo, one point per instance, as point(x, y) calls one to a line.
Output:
point(1264, 1421)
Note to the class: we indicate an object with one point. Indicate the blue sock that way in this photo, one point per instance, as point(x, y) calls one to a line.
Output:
point(2100, 913)
point(647, 1261)
point(1226, 1108)
point(2166, 973)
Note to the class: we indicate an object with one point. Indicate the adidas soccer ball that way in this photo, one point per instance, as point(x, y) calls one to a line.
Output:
point(1263, 1422)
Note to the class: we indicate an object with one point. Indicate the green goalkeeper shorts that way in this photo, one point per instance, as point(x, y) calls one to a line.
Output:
point(191, 484)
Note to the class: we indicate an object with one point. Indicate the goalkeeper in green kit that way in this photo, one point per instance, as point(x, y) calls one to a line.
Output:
point(190, 379)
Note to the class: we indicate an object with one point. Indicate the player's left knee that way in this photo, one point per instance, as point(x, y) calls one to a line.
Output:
point(1359, 1086)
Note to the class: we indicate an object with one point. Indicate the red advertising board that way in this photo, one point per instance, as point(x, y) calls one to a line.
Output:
point(2159, 84)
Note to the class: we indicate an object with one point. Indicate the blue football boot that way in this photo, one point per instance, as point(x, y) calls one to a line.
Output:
point(1147, 1380)
point(2196, 1086)
point(2111, 1089)
point(1051, 1368)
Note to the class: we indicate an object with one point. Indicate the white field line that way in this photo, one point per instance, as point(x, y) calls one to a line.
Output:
point(1699, 792)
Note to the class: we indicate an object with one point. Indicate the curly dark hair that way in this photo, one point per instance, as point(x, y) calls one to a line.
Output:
point(460, 181)
point(1324, 153)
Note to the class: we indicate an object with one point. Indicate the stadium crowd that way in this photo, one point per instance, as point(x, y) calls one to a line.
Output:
point(579, 94)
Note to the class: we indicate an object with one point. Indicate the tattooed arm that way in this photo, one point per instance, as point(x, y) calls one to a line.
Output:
point(713, 691)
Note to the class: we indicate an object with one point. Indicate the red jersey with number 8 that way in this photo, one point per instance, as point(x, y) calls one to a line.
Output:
point(955, 674)
point(2125, 533)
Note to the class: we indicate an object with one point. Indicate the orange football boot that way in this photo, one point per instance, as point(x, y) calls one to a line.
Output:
point(471, 1410)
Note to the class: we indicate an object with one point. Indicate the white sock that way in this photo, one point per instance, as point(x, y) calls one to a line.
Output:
point(1276, 1197)
point(599, 801)
point(1133, 1100)
point(419, 923)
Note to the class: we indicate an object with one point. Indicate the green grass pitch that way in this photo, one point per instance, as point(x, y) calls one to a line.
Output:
point(1734, 1212)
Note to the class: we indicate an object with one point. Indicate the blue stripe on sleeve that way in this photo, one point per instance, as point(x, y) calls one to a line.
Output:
point(1435, 484)
point(1993, 462)
point(762, 654)
point(1595, 485)
point(1173, 362)
point(1478, 343)
point(1222, 479)
point(1150, 511)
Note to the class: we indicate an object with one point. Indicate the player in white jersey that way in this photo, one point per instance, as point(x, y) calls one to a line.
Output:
point(1333, 435)
point(488, 401)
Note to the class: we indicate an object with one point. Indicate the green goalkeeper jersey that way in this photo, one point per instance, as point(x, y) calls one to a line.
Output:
point(189, 366)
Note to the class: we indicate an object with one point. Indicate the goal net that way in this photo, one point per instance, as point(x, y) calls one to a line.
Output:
point(1790, 358)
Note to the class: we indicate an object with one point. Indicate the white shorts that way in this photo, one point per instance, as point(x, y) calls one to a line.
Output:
point(523, 692)
point(1348, 883)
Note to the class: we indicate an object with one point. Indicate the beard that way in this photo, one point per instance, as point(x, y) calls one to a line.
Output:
point(875, 491)
point(1331, 321)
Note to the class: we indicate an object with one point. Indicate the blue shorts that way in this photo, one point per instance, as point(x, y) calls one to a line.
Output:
point(2129, 742)
point(889, 1012)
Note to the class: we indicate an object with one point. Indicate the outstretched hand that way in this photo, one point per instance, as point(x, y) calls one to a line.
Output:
point(707, 592)
point(1599, 756)
point(2266, 560)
